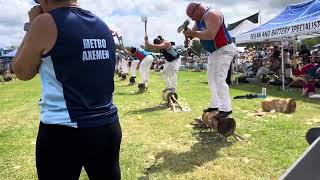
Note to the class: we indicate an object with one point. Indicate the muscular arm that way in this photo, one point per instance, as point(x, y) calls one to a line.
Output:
point(128, 52)
point(164, 45)
point(194, 28)
point(39, 40)
point(213, 22)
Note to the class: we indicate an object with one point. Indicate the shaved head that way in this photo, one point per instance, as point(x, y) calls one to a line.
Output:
point(191, 8)
point(195, 11)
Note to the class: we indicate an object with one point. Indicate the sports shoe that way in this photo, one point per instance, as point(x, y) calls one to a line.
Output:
point(223, 114)
point(210, 109)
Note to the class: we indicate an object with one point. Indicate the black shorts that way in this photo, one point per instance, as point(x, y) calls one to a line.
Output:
point(62, 151)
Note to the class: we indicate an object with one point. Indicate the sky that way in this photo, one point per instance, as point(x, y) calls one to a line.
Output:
point(124, 16)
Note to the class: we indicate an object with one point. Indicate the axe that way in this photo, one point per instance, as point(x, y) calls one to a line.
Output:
point(145, 20)
point(184, 26)
point(121, 44)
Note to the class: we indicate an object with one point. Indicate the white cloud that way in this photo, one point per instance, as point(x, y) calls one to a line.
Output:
point(13, 15)
point(124, 16)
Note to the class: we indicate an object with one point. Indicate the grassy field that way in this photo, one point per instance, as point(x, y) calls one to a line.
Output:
point(159, 144)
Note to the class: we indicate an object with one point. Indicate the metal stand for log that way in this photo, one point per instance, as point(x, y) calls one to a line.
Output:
point(224, 126)
point(171, 99)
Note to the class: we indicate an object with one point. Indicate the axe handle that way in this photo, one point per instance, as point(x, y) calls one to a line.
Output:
point(145, 29)
point(186, 45)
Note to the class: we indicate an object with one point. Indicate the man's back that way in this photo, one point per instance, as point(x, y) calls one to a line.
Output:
point(77, 74)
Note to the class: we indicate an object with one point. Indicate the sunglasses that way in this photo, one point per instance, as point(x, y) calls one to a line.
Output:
point(194, 9)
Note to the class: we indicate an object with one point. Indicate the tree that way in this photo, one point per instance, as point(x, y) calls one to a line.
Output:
point(310, 42)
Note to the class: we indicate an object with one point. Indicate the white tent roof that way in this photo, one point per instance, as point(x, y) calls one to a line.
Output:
point(245, 26)
point(11, 54)
point(315, 46)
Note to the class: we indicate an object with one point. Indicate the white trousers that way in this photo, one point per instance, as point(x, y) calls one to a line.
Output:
point(124, 66)
point(144, 68)
point(170, 73)
point(262, 71)
point(118, 65)
point(218, 65)
point(133, 68)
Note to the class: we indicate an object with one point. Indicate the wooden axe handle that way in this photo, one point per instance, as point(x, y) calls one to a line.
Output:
point(145, 29)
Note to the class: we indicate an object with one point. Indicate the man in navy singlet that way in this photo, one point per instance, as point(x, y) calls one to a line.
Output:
point(214, 37)
point(74, 53)
point(173, 60)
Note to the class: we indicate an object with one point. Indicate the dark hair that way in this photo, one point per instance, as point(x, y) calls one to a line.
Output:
point(133, 50)
point(314, 53)
point(156, 41)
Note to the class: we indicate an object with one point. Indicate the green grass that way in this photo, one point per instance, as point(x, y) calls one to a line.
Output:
point(159, 144)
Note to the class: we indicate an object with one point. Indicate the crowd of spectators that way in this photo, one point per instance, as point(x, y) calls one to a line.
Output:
point(263, 64)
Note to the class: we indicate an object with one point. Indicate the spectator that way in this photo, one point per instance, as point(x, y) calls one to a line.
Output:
point(261, 53)
point(309, 88)
point(275, 59)
point(304, 54)
point(287, 62)
point(276, 53)
point(263, 70)
point(314, 57)
point(291, 51)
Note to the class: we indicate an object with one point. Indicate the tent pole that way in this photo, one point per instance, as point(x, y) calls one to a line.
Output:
point(260, 17)
point(296, 44)
point(282, 66)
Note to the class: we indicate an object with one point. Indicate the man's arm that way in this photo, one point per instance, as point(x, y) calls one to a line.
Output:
point(164, 45)
point(113, 32)
point(38, 40)
point(213, 22)
point(128, 52)
point(194, 28)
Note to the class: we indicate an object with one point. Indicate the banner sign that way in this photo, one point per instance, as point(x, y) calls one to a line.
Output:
point(284, 31)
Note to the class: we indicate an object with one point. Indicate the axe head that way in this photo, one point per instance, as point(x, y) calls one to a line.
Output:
point(144, 18)
point(183, 26)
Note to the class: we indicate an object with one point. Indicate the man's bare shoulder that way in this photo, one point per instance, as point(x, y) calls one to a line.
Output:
point(214, 13)
point(214, 16)
point(44, 20)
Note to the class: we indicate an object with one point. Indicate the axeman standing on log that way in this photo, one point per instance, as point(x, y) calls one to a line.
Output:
point(210, 29)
